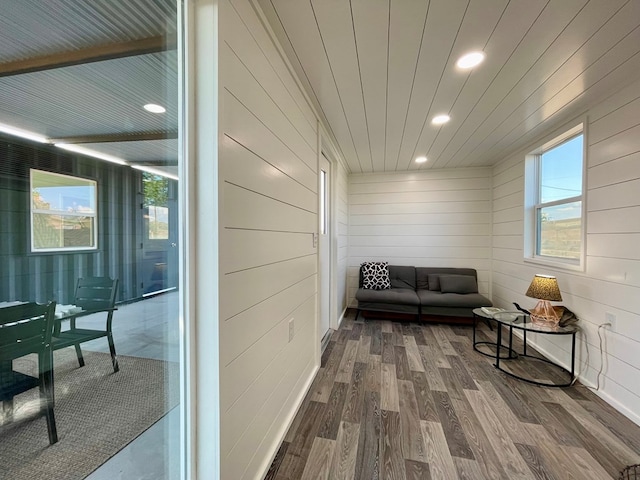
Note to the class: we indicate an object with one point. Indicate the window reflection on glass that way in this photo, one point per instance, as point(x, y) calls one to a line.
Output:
point(156, 193)
point(63, 212)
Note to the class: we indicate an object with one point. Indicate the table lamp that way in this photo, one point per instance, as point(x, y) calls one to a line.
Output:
point(545, 289)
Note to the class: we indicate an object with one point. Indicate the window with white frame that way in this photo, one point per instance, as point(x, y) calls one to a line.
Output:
point(555, 204)
point(63, 212)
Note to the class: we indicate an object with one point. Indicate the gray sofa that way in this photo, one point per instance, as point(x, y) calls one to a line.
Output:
point(426, 292)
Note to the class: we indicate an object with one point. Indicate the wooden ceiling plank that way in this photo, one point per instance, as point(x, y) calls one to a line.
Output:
point(117, 137)
point(299, 23)
point(555, 69)
point(406, 30)
point(88, 55)
point(336, 30)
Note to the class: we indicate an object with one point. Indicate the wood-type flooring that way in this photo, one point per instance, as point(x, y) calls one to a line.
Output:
point(400, 400)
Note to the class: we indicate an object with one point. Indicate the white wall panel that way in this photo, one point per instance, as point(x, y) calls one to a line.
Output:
point(434, 218)
point(611, 281)
point(342, 209)
point(267, 210)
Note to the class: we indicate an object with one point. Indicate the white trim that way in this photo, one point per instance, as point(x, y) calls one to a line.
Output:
point(202, 420)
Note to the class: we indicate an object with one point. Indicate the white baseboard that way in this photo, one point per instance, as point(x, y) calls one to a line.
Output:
point(344, 312)
point(286, 425)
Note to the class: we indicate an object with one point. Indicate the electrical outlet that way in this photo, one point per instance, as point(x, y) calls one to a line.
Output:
point(291, 329)
point(610, 318)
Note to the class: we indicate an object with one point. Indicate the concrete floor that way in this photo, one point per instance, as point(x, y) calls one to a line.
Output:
point(149, 329)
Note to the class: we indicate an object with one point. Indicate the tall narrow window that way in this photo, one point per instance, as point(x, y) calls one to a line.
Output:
point(323, 202)
point(555, 181)
point(63, 212)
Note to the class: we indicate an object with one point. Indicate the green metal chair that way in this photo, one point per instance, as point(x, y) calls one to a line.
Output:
point(26, 329)
point(93, 295)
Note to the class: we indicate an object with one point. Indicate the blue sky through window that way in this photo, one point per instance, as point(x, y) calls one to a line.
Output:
point(561, 177)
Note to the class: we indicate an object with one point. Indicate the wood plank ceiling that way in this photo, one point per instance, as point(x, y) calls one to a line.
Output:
point(80, 72)
point(378, 71)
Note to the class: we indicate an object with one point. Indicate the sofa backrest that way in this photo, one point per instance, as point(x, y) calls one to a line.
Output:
point(422, 274)
point(400, 276)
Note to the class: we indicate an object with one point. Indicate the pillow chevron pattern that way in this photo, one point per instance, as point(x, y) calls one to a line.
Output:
point(375, 275)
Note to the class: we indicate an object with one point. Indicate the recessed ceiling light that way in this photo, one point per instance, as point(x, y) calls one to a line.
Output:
point(440, 119)
point(421, 159)
point(470, 60)
point(153, 108)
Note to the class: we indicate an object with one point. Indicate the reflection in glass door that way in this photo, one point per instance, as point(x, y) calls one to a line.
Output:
point(90, 191)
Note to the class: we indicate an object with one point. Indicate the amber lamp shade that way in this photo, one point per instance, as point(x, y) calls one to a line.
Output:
point(545, 289)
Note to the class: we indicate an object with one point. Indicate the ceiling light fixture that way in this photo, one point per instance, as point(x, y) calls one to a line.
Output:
point(440, 119)
point(155, 171)
point(90, 153)
point(470, 60)
point(154, 108)
point(18, 132)
point(421, 159)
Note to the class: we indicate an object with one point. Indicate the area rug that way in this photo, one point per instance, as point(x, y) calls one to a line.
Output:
point(98, 412)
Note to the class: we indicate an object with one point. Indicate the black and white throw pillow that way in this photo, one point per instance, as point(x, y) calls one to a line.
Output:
point(375, 275)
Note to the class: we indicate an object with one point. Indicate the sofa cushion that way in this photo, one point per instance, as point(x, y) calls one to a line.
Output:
point(375, 275)
point(434, 282)
point(404, 296)
point(402, 276)
point(439, 299)
point(458, 284)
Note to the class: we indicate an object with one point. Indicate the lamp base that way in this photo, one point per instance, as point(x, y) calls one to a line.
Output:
point(545, 313)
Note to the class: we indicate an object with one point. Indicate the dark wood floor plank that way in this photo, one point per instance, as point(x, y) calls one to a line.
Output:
point(368, 456)
point(348, 360)
point(534, 460)
point(461, 374)
point(417, 333)
point(402, 364)
point(374, 374)
point(298, 451)
point(327, 352)
point(426, 405)
point(388, 355)
point(332, 415)
point(412, 443)
point(456, 439)
point(417, 470)
point(398, 340)
point(376, 339)
point(356, 331)
point(391, 462)
point(413, 354)
point(473, 362)
point(355, 395)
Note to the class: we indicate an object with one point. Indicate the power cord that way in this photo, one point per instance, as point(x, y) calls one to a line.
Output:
point(601, 354)
point(586, 346)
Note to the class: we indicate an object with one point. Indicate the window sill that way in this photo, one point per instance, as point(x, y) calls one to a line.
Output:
point(559, 265)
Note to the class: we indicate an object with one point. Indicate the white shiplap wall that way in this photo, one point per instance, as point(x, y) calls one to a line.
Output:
point(432, 218)
point(268, 213)
point(342, 222)
point(611, 281)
